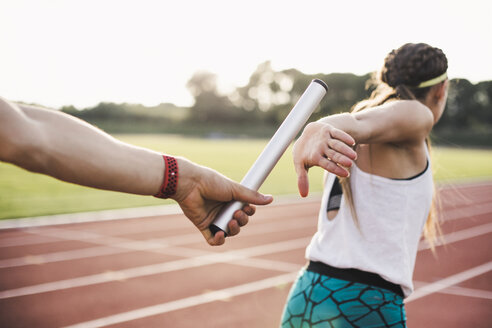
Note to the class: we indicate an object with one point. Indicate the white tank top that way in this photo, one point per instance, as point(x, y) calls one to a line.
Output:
point(391, 214)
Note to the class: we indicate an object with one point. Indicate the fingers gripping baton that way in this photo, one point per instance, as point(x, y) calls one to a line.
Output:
point(265, 163)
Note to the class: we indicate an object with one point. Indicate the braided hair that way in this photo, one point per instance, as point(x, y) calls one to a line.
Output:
point(403, 70)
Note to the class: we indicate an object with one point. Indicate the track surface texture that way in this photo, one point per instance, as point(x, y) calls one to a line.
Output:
point(158, 271)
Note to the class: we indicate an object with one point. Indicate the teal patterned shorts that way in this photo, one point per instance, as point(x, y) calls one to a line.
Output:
point(319, 301)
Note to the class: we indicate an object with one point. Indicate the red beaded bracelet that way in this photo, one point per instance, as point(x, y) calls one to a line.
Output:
point(170, 183)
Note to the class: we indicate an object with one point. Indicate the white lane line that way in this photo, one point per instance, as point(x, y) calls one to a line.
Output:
point(162, 210)
point(49, 236)
point(58, 234)
point(53, 257)
point(104, 277)
point(52, 235)
point(463, 196)
point(271, 265)
point(236, 257)
point(459, 236)
point(183, 303)
point(228, 293)
point(85, 217)
point(116, 230)
point(27, 240)
point(117, 245)
point(128, 213)
point(467, 211)
point(468, 292)
point(449, 281)
point(461, 291)
point(288, 223)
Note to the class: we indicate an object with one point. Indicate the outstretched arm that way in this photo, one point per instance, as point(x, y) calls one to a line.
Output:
point(328, 142)
point(69, 149)
point(394, 122)
point(72, 150)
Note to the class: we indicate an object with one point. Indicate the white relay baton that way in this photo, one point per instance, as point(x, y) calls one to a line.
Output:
point(265, 163)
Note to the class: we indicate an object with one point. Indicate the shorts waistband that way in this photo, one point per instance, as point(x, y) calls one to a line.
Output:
point(354, 275)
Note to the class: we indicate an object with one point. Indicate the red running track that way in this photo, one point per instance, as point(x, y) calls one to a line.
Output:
point(158, 272)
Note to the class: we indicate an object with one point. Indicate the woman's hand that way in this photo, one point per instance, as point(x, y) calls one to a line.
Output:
point(325, 146)
point(202, 192)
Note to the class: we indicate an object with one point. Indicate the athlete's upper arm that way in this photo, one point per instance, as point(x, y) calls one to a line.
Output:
point(398, 121)
point(15, 131)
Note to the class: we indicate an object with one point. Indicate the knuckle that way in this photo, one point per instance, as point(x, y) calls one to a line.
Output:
point(329, 143)
point(333, 143)
point(329, 165)
point(327, 133)
point(202, 225)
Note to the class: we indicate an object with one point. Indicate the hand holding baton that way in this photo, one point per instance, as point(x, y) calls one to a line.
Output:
point(265, 163)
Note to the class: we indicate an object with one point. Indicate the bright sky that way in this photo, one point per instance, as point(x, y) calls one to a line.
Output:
point(82, 52)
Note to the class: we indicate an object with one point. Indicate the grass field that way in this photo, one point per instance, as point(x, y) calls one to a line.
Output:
point(26, 194)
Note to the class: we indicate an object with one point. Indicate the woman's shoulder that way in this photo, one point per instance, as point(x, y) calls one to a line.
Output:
point(412, 108)
point(411, 115)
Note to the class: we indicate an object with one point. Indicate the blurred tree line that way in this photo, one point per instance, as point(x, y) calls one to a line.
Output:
point(258, 108)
